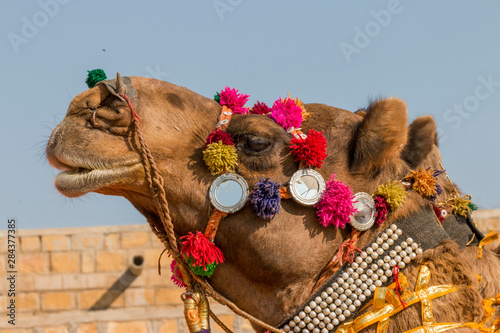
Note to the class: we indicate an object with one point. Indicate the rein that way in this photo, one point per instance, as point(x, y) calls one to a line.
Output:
point(167, 236)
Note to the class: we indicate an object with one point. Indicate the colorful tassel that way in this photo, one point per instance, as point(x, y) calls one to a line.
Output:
point(423, 181)
point(207, 271)
point(473, 206)
point(233, 100)
point(311, 150)
point(265, 198)
point(177, 275)
point(460, 205)
point(300, 104)
point(381, 209)
point(286, 113)
point(217, 97)
point(335, 206)
point(393, 192)
point(220, 157)
point(200, 250)
point(218, 135)
point(94, 76)
point(439, 189)
point(439, 213)
point(260, 108)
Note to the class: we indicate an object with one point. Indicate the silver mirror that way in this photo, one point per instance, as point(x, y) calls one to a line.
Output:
point(307, 186)
point(365, 217)
point(229, 193)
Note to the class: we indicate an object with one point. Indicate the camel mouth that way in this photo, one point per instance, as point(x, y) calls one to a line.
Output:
point(75, 181)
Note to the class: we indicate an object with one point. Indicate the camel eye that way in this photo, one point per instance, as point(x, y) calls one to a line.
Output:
point(257, 144)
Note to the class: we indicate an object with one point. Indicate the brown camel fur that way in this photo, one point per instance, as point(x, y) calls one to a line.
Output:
point(271, 265)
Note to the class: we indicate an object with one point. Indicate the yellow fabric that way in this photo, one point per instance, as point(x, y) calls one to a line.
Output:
point(490, 238)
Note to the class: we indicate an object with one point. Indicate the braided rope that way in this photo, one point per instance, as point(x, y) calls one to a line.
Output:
point(155, 182)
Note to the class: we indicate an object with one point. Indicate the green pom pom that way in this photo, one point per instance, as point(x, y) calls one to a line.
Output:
point(200, 271)
point(473, 206)
point(94, 76)
point(217, 97)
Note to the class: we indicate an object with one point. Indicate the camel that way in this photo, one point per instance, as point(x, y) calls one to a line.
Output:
point(271, 265)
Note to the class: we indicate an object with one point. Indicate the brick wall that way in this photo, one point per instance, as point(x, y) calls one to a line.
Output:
point(62, 273)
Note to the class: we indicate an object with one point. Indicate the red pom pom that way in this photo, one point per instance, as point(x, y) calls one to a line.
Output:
point(260, 108)
point(381, 207)
point(201, 250)
point(311, 150)
point(177, 275)
point(236, 102)
point(218, 135)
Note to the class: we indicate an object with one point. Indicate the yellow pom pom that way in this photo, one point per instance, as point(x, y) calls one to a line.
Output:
point(423, 182)
point(393, 192)
point(220, 157)
point(461, 205)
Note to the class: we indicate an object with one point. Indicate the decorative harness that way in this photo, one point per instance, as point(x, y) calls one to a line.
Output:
point(355, 278)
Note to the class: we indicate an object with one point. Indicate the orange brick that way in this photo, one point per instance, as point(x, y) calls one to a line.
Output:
point(56, 329)
point(30, 243)
point(65, 262)
point(169, 326)
point(153, 279)
point(139, 297)
point(87, 241)
point(87, 328)
point(3, 244)
point(88, 262)
point(3, 302)
point(127, 326)
point(48, 282)
point(55, 243)
point(57, 301)
point(17, 330)
point(74, 281)
point(135, 239)
point(88, 298)
point(33, 263)
point(112, 242)
point(246, 326)
point(110, 261)
point(26, 283)
point(227, 320)
point(169, 296)
point(28, 301)
point(101, 280)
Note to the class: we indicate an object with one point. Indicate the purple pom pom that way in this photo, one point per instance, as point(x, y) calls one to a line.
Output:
point(265, 198)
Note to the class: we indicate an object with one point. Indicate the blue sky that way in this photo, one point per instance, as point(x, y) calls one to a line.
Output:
point(442, 58)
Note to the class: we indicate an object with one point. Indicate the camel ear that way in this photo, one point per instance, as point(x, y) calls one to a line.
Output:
point(380, 136)
point(422, 136)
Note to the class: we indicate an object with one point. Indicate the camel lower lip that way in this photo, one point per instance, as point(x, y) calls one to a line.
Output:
point(79, 181)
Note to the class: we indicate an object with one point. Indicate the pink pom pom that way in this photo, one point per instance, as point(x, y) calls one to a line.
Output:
point(177, 275)
point(287, 113)
point(260, 108)
point(236, 102)
point(335, 207)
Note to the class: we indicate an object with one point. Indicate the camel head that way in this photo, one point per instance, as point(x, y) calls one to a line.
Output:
point(97, 150)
